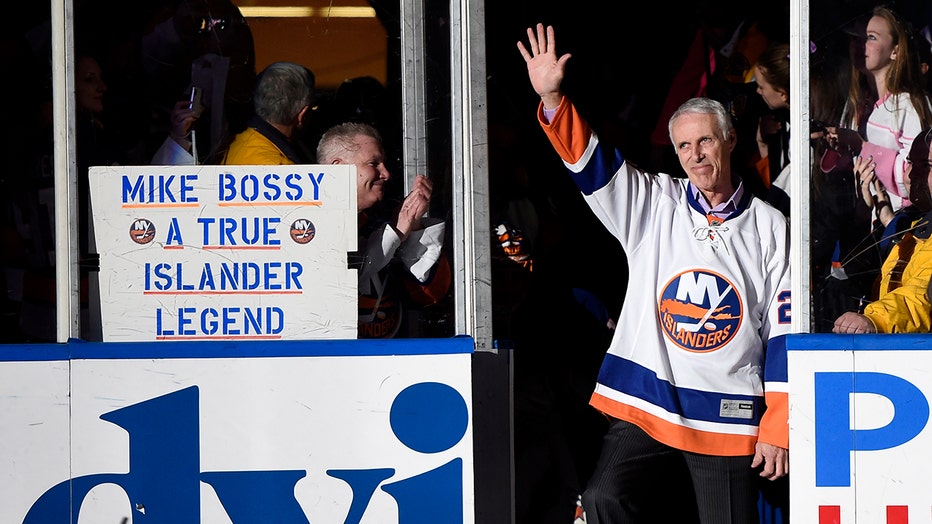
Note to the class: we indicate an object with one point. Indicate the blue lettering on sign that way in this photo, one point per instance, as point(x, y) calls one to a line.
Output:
point(233, 276)
point(249, 187)
point(163, 482)
point(159, 189)
point(249, 231)
point(835, 440)
point(226, 321)
point(173, 238)
point(428, 418)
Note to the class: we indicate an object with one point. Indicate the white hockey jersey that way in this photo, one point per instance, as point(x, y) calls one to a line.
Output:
point(698, 358)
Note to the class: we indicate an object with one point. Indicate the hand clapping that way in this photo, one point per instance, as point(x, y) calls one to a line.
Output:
point(415, 206)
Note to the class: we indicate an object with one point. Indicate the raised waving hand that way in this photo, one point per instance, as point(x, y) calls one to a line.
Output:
point(544, 68)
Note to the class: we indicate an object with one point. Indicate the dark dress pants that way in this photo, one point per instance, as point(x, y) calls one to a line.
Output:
point(639, 480)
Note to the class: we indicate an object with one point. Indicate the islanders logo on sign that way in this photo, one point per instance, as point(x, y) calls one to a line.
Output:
point(302, 231)
point(142, 231)
point(699, 310)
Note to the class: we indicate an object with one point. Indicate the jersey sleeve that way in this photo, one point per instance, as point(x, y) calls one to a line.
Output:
point(774, 425)
point(590, 163)
point(619, 194)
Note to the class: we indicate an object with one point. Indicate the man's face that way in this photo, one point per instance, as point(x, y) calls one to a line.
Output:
point(371, 173)
point(703, 152)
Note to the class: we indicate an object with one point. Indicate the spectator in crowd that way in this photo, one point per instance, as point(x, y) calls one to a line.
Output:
point(925, 58)
point(903, 304)
point(400, 263)
point(710, 296)
point(719, 64)
point(283, 99)
point(202, 44)
point(885, 130)
point(837, 228)
point(358, 99)
point(772, 74)
point(180, 146)
point(96, 144)
point(886, 108)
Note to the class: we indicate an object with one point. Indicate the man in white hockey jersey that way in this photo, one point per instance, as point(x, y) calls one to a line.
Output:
point(696, 370)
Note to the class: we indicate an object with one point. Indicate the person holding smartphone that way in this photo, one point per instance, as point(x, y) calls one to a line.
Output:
point(180, 146)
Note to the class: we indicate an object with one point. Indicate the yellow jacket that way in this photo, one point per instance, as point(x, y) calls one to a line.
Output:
point(253, 148)
point(903, 305)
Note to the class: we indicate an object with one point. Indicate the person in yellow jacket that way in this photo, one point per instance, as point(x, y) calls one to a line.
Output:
point(903, 304)
point(283, 98)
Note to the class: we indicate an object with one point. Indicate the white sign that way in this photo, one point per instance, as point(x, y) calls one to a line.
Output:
point(859, 428)
point(225, 252)
point(325, 431)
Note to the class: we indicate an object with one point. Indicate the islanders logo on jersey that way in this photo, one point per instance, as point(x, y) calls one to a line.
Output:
point(699, 310)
